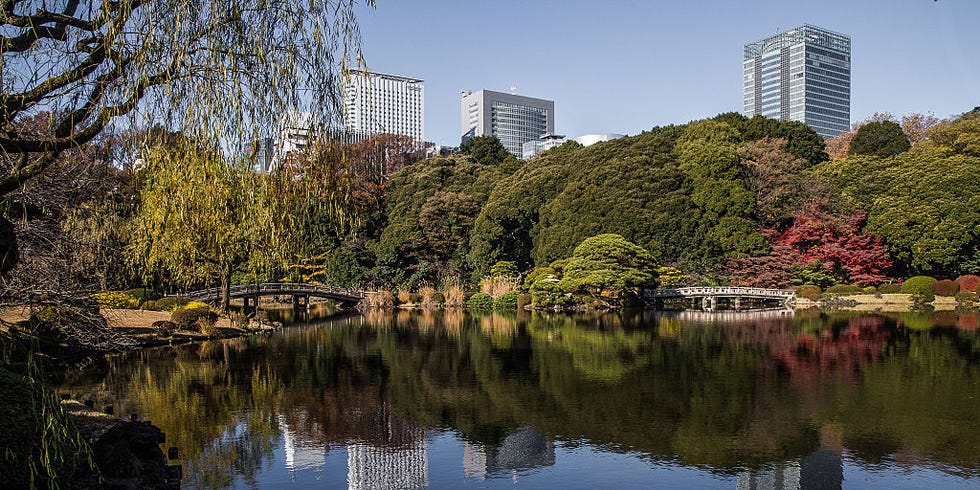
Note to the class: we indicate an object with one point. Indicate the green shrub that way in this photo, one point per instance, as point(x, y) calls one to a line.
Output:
point(187, 318)
point(480, 301)
point(844, 289)
point(116, 299)
point(966, 297)
point(523, 300)
point(889, 288)
point(164, 328)
point(539, 274)
point(503, 268)
point(945, 288)
point(170, 303)
point(142, 294)
point(870, 290)
point(920, 287)
point(439, 298)
point(545, 293)
point(506, 301)
point(968, 282)
point(809, 291)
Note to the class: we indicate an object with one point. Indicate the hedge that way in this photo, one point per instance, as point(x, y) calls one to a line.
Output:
point(945, 288)
point(889, 288)
point(920, 286)
point(968, 282)
point(810, 292)
point(506, 301)
point(116, 299)
point(480, 301)
point(844, 289)
point(185, 318)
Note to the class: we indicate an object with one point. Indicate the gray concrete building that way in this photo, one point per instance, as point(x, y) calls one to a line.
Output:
point(803, 74)
point(513, 119)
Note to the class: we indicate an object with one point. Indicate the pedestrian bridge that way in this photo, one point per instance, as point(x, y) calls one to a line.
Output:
point(301, 293)
point(709, 295)
point(723, 292)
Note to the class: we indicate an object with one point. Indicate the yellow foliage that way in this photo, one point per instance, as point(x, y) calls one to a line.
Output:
point(116, 299)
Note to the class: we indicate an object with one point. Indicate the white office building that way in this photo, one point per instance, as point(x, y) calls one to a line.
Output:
point(376, 103)
point(513, 119)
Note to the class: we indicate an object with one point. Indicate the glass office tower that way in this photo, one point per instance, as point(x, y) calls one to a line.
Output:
point(513, 119)
point(803, 74)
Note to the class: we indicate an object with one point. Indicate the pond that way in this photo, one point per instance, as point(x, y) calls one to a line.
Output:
point(738, 400)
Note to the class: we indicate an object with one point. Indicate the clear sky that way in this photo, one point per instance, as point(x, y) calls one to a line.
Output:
point(623, 66)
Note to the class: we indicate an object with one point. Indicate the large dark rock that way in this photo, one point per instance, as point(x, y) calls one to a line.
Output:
point(128, 456)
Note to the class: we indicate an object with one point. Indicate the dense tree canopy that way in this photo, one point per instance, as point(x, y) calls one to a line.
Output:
point(923, 202)
point(486, 150)
point(882, 139)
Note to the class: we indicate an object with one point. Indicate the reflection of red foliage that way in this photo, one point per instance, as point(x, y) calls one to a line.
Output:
point(968, 321)
point(857, 345)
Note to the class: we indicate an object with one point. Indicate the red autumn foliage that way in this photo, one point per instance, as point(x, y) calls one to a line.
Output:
point(815, 235)
point(859, 258)
point(773, 270)
point(968, 282)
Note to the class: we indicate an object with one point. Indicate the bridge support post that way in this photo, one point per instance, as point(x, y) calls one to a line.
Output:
point(738, 303)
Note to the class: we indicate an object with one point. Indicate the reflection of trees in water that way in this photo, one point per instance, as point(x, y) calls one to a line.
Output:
point(726, 396)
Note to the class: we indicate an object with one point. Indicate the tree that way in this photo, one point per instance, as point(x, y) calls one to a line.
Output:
point(916, 126)
point(882, 139)
point(607, 261)
point(838, 244)
point(801, 140)
point(922, 202)
point(776, 179)
point(708, 153)
point(222, 71)
point(486, 150)
point(838, 146)
point(200, 218)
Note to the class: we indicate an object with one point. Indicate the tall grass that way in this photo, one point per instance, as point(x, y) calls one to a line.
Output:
point(455, 297)
point(382, 299)
point(497, 286)
point(428, 294)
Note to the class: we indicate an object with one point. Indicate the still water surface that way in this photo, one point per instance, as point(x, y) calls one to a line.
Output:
point(750, 400)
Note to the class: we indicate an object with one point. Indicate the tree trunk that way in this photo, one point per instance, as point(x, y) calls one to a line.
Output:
point(8, 246)
point(225, 290)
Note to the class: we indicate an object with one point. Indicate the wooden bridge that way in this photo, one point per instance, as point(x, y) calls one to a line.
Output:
point(300, 292)
point(709, 295)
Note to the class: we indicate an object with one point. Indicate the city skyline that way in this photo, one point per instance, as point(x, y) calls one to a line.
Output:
point(685, 60)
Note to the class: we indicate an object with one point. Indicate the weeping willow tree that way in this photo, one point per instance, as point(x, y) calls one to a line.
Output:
point(201, 217)
point(216, 71)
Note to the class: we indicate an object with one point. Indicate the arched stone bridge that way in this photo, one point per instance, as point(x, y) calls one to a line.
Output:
point(300, 292)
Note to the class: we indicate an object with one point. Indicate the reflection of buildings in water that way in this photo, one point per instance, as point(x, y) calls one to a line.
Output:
point(371, 466)
point(820, 470)
point(522, 449)
point(301, 455)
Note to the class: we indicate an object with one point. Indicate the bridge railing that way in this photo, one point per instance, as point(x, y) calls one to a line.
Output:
point(271, 288)
point(722, 291)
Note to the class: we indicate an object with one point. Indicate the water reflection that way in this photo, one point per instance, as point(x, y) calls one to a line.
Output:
point(413, 399)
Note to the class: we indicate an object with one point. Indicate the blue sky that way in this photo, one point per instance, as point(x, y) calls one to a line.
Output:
point(623, 66)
